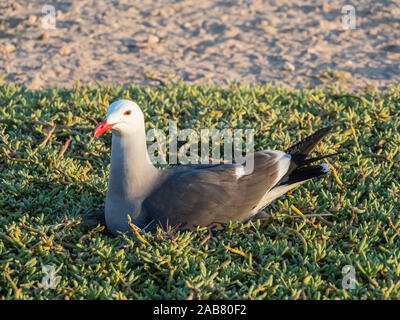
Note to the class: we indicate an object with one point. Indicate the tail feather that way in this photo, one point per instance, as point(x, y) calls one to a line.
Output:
point(306, 145)
point(300, 150)
point(305, 173)
point(298, 172)
point(311, 160)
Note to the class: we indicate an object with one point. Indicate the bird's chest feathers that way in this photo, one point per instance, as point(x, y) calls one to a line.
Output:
point(127, 181)
point(131, 175)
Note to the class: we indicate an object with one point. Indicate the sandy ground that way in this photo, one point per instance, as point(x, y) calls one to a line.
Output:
point(202, 41)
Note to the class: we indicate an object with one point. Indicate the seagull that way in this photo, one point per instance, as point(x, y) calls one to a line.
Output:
point(191, 195)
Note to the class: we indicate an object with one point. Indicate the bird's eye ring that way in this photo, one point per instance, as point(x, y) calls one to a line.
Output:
point(127, 113)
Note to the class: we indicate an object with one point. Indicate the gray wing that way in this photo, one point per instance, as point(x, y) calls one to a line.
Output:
point(212, 194)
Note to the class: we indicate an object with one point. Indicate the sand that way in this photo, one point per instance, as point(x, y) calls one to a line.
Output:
point(148, 42)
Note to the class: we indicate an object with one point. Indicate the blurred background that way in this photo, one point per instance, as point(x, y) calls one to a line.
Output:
point(148, 42)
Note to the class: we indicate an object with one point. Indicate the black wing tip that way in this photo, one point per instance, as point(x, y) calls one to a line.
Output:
point(306, 173)
point(325, 130)
point(306, 145)
point(301, 150)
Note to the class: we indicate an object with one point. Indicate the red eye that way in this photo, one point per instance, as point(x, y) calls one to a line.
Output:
point(127, 113)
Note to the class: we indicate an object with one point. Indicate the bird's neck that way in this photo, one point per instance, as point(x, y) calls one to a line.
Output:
point(132, 174)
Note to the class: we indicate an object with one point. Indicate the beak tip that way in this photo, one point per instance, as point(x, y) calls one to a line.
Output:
point(101, 128)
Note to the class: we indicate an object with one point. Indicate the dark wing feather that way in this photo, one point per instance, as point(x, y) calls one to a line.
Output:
point(306, 145)
point(204, 195)
point(300, 150)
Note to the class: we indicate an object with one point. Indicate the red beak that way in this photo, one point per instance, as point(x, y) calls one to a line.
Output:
point(102, 127)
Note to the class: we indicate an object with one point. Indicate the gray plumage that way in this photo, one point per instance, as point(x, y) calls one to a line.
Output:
point(208, 195)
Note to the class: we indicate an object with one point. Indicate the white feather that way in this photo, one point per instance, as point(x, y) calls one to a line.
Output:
point(283, 162)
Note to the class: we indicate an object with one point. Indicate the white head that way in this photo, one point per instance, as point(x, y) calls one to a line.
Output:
point(123, 117)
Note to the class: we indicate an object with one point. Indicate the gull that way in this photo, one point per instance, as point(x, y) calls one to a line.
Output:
point(187, 196)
